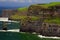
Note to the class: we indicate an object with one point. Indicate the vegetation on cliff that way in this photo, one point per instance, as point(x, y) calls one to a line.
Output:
point(16, 16)
point(55, 20)
point(49, 10)
point(48, 4)
point(22, 9)
point(39, 9)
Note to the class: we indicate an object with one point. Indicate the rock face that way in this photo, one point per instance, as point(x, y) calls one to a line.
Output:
point(45, 29)
point(43, 12)
point(40, 10)
point(30, 26)
point(8, 12)
point(50, 30)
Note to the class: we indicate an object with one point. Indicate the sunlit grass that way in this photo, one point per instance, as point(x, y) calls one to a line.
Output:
point(55, 20)
point(22, 9)
point(49, 4)
point(33, 18)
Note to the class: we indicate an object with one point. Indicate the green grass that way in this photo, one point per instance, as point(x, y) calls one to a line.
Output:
point(55, 20)
point(23, 9)
point(52, 4)
point(48, 4)
point(33, 18)
point(20, 36)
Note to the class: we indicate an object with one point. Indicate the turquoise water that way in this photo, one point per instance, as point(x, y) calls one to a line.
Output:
point(13, 26)
point(10, 36)
point(10, 25)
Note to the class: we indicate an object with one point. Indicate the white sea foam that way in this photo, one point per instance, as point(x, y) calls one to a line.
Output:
point(48, 37)
point(12, 30)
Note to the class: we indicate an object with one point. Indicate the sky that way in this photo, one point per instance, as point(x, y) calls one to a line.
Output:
point(13, 3)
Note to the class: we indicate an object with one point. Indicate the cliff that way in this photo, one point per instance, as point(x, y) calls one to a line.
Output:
point(51, 9)
point(23, 11)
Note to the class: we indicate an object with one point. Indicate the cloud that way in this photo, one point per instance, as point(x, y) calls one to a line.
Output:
point(36, 0)
point(8, 0)
point(13, 0)
point(39, 1)
point(17, 1)
point(2, 0)
point(30, 1)
point(21, 1)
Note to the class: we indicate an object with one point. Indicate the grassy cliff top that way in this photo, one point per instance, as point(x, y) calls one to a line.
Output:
point(55, 20)
point(41, 5)
point(22, 9)
point(48, 4)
